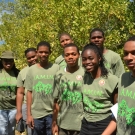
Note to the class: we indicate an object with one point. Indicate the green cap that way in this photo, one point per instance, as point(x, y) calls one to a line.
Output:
point(7, 55)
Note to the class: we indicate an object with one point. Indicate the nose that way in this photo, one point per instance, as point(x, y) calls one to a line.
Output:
point(65, 42)
point(129, 56)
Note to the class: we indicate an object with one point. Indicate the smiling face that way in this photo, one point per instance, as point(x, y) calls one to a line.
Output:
point(31, 57)
point(7, 64)
point(71, 56)
point(97, 38)
point(90, 60)
point(65, 39)
point(129, 55)
point(43, 53)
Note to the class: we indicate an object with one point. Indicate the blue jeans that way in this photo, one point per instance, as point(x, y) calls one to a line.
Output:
point(42, 126)
point(7, 122)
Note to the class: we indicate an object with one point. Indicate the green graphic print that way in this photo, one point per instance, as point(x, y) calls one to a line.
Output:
point(128, 113)
point(74, 97)
point(40, 87)
point(94, 106)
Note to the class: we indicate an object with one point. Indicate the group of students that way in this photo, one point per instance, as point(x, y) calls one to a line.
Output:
point(72, 96)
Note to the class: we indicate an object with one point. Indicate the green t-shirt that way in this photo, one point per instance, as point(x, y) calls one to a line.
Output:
point(21, 79)
point(97, 96)
point(126, 106)
point(114, 63)
point(40, 81)
point(68, 91)
point(61, 61)
point(7, 90)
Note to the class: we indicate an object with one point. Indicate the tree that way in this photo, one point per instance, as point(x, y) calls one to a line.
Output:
point(24, 23)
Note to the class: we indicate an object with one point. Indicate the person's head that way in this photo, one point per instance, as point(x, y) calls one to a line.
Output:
point(31, 56)
point(43, 51)
point(7, 59)
point(129, 53)
point(97, 37)
point(92, 59)
point(71, 54)
point(65, 38)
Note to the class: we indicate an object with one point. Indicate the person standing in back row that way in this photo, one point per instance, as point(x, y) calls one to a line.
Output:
point(65, 39)
point(31, 57)
point(113, 61)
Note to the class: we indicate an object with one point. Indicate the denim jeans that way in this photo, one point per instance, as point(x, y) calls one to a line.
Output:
point(42, 126)
point(7, 122)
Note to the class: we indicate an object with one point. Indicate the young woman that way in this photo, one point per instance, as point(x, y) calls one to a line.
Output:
point(39, 85)
point(99, 92)
point(31, 57)
point(126, 92)
point(68, 95)
point(8, 80)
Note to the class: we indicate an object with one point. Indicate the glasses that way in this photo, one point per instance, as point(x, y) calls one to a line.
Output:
point(8, 60)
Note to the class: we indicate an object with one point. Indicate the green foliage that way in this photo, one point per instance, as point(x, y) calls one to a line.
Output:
point(25, 23)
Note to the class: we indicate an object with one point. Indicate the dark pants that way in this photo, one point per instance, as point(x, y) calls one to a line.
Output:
point(94, 128)
point(68, 132)
point(42, 126)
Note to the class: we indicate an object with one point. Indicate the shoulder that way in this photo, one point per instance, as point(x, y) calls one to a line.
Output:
point(59, 59)
point(24, 70)
point(113, 54)
point(125, 75)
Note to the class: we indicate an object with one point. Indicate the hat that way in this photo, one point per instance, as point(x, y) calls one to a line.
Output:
point(7, 55)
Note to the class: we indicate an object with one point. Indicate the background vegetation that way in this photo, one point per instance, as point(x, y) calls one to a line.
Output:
point(24, 23)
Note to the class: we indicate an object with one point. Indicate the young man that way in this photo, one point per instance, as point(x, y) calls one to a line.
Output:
point(31, 57)
point(67, 94)
point(64, 39)
point(39, 85)
point(113, 61)
point(126, 95)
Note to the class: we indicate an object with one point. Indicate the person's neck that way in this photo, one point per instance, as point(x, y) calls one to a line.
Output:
point(104, 50)
point(133, 73)
point(96, 74)
point(72, 69)
point(8, 71)
point(44, 64)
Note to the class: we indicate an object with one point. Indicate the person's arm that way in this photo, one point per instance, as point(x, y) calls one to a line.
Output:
point(55, 115)
point(110, 128)
point(19, 101)
point(30, 120)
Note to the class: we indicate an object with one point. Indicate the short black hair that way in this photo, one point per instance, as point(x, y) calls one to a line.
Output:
point(44, 43)
point(64, 33)
point(131, 38)
point(72, 45)
point(97, 29)
point(97, 50)
point(29, 50)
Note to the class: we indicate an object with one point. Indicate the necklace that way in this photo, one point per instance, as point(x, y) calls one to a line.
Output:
point(9, 90)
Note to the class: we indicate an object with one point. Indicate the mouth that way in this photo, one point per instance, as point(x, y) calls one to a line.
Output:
point(130, 64)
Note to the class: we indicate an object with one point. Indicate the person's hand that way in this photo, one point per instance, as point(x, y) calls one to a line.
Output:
point(54, 128)
point(18, 116)
point(30, 121)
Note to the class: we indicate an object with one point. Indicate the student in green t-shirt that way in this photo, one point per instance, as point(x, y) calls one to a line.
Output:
point(126, 92)
point(8, 80)
point(31, 57)
point(68, 107)
point(39, 85)
point(64, 38)
point(112, 60)
point(99, 92)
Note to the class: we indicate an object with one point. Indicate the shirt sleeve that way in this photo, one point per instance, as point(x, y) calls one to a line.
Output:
point(119, 68)
point(28, 82)
point(20, 82)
